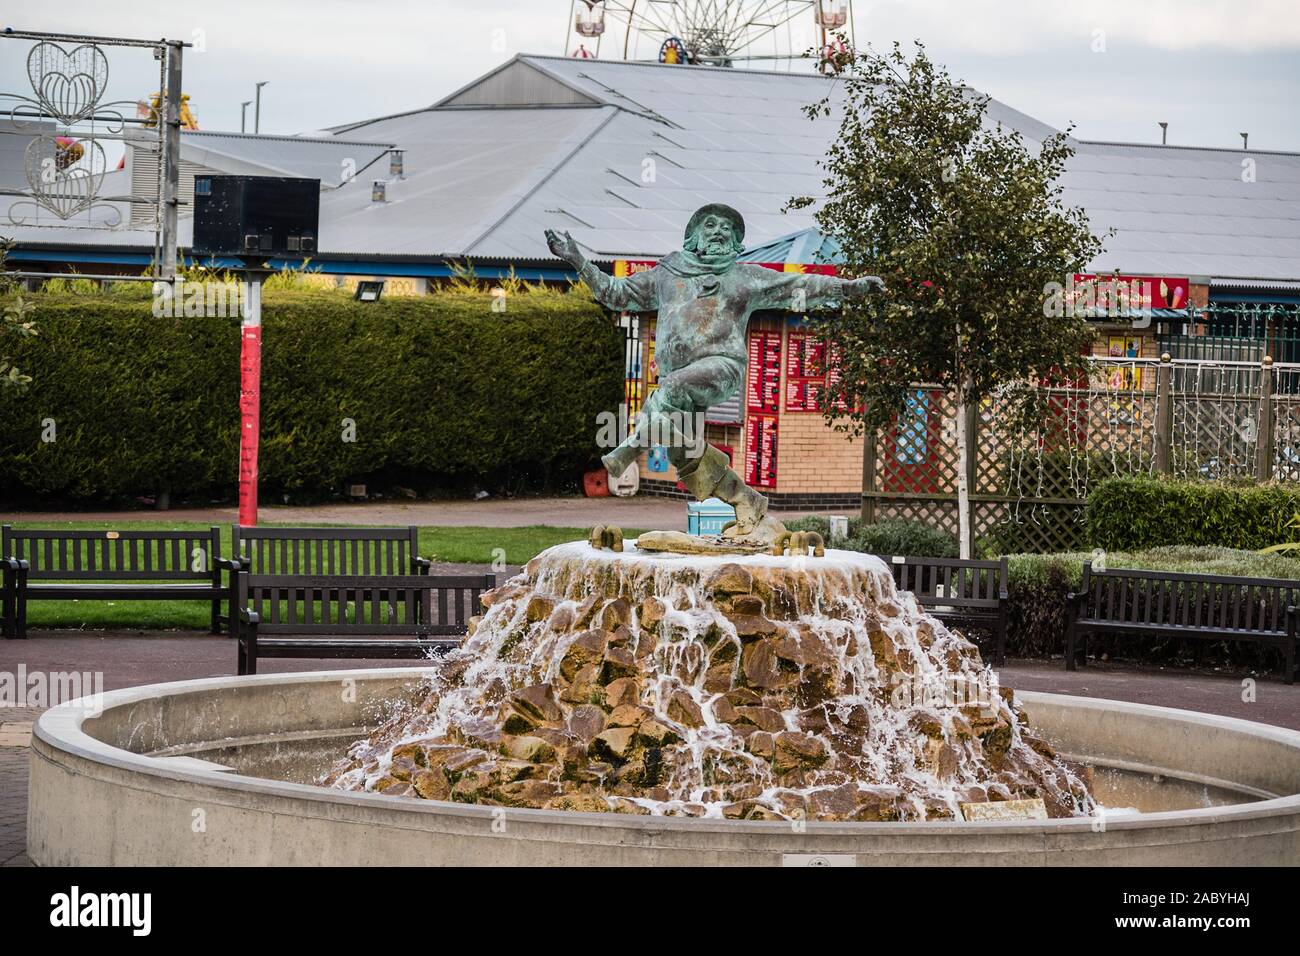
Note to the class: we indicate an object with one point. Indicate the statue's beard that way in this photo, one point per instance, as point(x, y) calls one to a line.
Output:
point(713, 249)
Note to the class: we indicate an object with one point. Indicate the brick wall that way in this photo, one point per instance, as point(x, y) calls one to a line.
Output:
point(811, 457)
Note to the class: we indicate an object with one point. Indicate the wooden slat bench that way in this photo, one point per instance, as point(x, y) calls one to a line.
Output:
point(115, 566)
point(962, 592)
point(352, 616)
point(353, 552)
point(1171, 604)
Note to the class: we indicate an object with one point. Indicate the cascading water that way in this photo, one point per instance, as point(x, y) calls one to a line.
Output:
point(741, 687)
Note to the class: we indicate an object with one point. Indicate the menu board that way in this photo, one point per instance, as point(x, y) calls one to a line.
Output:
point(763, 377)
point(760, 451)
point(805, 372)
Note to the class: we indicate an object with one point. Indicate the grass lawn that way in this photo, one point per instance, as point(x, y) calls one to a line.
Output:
point(459, 545)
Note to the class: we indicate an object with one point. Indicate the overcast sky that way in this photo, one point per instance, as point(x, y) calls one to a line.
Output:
point(1211, 68)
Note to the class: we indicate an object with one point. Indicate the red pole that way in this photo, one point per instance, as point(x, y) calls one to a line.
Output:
point(250, 399)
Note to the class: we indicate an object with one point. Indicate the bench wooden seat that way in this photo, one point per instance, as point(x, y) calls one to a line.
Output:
point(966, 593)
point(1173, 604)
point(113, 566)
point(353, 616)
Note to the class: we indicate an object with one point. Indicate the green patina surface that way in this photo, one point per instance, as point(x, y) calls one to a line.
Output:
point(704, 298)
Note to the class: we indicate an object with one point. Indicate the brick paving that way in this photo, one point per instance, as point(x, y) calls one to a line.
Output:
point(130, 658)
point(13, 784)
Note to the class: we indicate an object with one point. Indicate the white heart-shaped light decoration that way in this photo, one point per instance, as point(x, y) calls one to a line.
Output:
point(69, 189)
point(68, 83)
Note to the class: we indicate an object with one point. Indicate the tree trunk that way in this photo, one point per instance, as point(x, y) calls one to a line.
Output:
point(868, 513)
point(964, 451)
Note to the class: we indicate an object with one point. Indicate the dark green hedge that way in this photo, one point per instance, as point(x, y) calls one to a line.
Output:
point(444, 393)
point(1135, 513)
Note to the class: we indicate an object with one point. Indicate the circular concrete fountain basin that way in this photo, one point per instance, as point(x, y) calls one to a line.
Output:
point(202, 773)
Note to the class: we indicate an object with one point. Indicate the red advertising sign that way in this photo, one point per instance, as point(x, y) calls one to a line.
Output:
point(627, 267)
point(760, 451)
point(833, 376)
point(1134, 292)
point(763, 376)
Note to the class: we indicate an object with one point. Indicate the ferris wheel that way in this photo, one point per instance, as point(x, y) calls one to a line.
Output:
point(713, 32)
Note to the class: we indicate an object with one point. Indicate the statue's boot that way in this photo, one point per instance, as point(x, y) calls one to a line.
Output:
point(751, 507)
point(620, 459)
point(711, 476)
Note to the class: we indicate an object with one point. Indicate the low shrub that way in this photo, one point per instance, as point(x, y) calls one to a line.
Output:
point(811, 523)
point(1131, 514)
point(888, 536)
point(899, 536)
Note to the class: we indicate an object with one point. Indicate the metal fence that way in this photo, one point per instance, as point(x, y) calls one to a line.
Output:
point(1029, 480)
point(1234, 332)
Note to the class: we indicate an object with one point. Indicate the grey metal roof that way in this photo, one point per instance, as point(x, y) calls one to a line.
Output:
point(621, 153)
point(622, 168)
point(465, 172)
point(1189, 211)
point(742, 135)
point(14, 139)
point(323, 158)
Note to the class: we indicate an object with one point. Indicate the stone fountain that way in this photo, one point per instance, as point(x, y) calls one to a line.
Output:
point(739, 687)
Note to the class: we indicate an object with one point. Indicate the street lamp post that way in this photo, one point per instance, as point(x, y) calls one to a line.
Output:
point(257, 108)
point(243, 115)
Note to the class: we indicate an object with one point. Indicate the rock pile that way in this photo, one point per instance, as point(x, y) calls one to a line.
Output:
point(747, 688)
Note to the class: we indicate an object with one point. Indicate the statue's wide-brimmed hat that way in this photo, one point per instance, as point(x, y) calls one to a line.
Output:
point(718, 209)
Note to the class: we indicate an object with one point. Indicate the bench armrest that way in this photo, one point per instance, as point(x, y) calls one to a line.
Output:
point(230, 564)
point(423, 564)
point(249, 616)
point(15, 565)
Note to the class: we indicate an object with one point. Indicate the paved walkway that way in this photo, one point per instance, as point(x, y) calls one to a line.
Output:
point(639, 512)
point(129, 658)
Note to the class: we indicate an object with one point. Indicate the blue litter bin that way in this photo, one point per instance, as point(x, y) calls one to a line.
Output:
point(708, 517)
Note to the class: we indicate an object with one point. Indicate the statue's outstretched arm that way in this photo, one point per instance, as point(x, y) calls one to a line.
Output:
point(809, 292)
point(636, 293)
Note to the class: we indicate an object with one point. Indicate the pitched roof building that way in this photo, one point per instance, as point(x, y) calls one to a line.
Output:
point(620, 153)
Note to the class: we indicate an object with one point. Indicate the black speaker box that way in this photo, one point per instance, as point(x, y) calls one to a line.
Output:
point(255, 216)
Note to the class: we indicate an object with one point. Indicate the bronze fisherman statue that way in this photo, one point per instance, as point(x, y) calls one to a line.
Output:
point(704, 298)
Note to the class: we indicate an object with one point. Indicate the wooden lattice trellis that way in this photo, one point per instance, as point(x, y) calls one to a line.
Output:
point(1029, 481)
